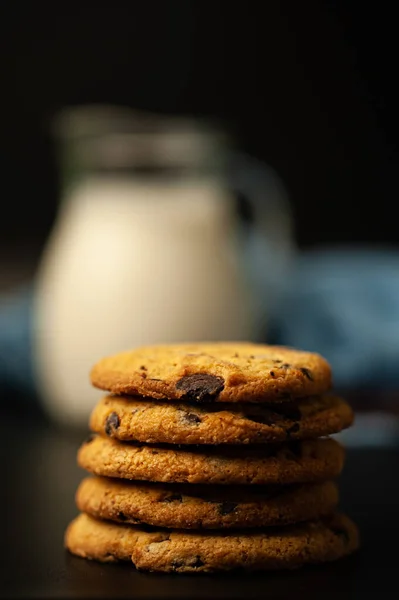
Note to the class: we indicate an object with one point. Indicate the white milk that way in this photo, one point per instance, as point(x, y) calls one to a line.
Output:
point(129, 264)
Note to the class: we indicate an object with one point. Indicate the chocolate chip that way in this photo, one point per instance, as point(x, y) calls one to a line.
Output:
point(112, 422)
point(122, 516)
point(225, 508)
point(191, 418)
point(307, 373)
point(143, 368)
point(200, 387)
point(293, 429)
point(172, 498)
point(272, 373)
point(195, 562)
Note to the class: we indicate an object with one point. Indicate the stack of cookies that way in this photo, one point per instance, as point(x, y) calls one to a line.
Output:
point(211, 457)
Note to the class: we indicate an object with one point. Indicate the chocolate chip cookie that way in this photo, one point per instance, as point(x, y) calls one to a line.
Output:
point(214, 372)
point(131, 418)
point(195, 552)
point(186, 506)
point(293, 462)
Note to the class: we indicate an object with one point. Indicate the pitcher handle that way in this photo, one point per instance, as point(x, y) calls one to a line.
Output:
point(268, 239)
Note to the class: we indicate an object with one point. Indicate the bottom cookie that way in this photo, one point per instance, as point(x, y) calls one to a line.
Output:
point(188, 552)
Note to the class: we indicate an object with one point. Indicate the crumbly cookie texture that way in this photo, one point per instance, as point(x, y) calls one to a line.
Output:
point(214, 372)
point(295, 462)
point(131, 418)
point(194, 552)
point(186, 506)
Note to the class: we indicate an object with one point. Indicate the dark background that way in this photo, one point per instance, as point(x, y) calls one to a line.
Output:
point(308, 87)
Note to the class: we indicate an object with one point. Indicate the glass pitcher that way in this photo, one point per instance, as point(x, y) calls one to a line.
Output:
point(147, 247)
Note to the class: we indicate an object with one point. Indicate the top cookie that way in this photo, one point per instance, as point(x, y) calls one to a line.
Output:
point(214, 372)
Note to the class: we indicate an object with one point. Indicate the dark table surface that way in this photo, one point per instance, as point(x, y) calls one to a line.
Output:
point(37, 502)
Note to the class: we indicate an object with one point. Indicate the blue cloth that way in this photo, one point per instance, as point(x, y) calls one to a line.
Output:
point(344, 304)
point(16, 369)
